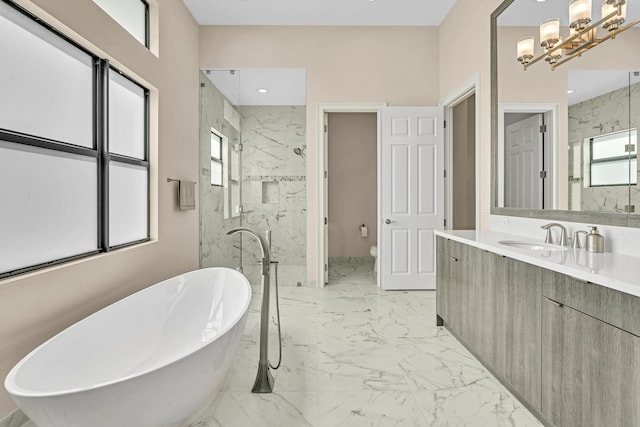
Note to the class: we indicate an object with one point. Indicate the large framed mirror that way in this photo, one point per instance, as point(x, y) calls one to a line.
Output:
point(565, 116)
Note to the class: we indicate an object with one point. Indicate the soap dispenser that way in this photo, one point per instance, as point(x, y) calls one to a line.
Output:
point(595, 240)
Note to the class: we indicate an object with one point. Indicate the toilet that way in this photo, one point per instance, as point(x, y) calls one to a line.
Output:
point(374, 254)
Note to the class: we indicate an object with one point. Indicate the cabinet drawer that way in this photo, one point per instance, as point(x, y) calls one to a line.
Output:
point(610, 306)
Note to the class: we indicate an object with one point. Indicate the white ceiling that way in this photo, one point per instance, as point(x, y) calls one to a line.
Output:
point(588, 84)
point(320, 12)
point(286, 86)
point(532, 12)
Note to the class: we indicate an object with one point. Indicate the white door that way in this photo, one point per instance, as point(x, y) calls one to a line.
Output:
point(523, 155)
point(412, 195)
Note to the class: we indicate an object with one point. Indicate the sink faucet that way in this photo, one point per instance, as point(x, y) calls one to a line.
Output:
point(549, 238)
point(264, 380)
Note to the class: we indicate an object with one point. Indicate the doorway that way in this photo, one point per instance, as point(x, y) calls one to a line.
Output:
point(463, 164)
point(463, 157)
point(352, 195)
point(527, 156)
point(322, 220)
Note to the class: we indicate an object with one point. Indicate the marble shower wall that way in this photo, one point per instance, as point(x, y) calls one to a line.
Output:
point(215, 247)
point(274, 187)
point(601, 115)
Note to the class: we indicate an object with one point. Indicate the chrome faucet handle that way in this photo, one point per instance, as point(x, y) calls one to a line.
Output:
point(576, 239)
point(563, 233)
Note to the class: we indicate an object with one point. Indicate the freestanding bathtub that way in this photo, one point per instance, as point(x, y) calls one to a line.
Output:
point(155, 358)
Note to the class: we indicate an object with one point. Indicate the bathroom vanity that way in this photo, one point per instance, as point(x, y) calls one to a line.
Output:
point(559, 328)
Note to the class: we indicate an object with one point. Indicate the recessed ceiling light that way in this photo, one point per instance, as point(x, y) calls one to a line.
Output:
point(570, 91)
point(540, 1)
point(263, 90)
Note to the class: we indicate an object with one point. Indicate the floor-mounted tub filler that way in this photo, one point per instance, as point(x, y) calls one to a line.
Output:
point(155, 358)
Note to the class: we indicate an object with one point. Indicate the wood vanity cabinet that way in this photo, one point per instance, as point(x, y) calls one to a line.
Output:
point(569, 349)
point(590, 354)
point(492, 304)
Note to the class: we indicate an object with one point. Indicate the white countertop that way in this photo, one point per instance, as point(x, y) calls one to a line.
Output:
point(612, 270)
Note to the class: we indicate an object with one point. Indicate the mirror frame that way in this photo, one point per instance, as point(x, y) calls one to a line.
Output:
point(596, 218)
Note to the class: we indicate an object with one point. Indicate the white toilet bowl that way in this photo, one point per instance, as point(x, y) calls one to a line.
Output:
point(374, 254)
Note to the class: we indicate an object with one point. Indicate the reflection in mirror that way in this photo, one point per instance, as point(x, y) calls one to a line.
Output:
point(542, 163)
point(258, 116)
point(601, 133)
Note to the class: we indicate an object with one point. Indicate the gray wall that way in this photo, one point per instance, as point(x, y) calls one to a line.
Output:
point(352, 167)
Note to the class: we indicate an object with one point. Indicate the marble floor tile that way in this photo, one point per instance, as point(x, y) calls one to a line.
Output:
point(370, 370)
point(483, 403)
point(246, 409)
point(370, 408)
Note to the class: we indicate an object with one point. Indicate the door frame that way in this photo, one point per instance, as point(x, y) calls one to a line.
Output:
point(340, 108)
point(551, 156)
point(470, 87)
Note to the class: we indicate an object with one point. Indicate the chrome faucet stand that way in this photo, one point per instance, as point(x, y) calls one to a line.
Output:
point(264, 380)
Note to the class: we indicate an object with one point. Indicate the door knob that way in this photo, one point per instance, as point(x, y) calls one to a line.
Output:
point(388, 221)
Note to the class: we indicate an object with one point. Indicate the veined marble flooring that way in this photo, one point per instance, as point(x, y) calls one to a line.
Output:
point(354, 355)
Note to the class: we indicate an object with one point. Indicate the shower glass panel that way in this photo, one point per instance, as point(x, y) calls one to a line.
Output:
point(220, 198)
point(634, 124)
point(262, 115)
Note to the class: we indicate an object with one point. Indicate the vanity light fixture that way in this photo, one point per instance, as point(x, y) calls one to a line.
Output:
point(525, 49)
point(582, 33)
point(579, 14)
point(614, 22)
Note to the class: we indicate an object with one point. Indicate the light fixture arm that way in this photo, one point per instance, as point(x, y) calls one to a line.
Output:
point(589, 30)
point(581, 49)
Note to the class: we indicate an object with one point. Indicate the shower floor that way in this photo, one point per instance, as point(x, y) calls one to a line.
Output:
point(354, 355)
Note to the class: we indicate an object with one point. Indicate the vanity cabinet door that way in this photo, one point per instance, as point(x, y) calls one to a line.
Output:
point(452, 295)
point(518, 290)
point(590, 370)
point(486, 272)
point(442, 278)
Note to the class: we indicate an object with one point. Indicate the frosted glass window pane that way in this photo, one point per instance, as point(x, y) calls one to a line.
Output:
point(613, 173)
point(235, 198)
point(126, 117)
point(130, 14)
point(235, 161)
point(49, 205)
point(216, 173)
point(46, 84)
point(216, 146)
point(128, 193)
point(613, 145)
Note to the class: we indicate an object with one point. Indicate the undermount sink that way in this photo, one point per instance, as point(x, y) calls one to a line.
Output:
point(534, 246)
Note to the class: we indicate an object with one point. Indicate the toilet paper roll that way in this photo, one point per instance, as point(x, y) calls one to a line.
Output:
point(364, 232)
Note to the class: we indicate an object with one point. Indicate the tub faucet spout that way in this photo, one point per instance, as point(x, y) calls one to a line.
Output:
point(264, 380)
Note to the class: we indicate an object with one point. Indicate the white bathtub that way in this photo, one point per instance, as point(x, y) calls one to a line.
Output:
point(155, 358)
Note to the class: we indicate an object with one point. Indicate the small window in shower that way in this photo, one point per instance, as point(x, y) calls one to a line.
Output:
point(216, 159)
point(613, 159)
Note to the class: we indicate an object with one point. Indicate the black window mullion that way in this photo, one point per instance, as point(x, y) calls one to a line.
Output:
point(102, 140)
point(147, 36)
point(48, 144)
point(128, 160)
